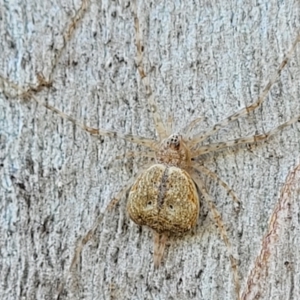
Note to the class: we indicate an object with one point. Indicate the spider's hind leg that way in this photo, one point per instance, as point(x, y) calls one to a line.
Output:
point(89, 235)
point(159, 244)
point(215, 177)
point(218, 220)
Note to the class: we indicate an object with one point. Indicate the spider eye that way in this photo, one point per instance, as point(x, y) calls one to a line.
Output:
point(171, 207)
point(149, 203)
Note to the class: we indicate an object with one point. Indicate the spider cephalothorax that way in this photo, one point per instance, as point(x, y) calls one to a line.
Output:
point(174, 152)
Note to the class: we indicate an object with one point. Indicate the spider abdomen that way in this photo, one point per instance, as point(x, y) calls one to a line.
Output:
point(165, 199)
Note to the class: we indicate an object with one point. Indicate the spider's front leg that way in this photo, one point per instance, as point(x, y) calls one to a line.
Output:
point(159, 125)
point(244, 140)
point(246, 110)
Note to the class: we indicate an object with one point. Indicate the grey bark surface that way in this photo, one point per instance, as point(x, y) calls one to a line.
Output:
point(203, 58)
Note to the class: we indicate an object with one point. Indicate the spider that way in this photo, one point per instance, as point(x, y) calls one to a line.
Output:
point(165, 196)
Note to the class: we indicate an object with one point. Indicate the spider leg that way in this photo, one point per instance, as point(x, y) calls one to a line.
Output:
point(70, 29)
point(159, 126)
point(214, 176)
point(169, 125)
point(109, 207)
point(91, 233)
point(246, 110)
point(159, 244)
point(79, 14)
point(131, 154)
point(244, 140)
point(191, 126)
point(81, 242)
point(143, 141)
point(218, 220)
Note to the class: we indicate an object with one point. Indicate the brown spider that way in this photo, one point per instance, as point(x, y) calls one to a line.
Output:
point(165, 196)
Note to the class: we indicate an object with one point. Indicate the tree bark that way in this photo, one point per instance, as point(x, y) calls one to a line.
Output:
point(203, 59)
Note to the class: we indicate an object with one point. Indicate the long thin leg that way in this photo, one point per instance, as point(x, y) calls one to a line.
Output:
point(214, 176)
point(187, 130)
point(244, 140)
point(217, 218)
point(159, 126)
point(169, 125)
point(143, 141)
point(68, 33)
point(91, 233)
point(131, 154)
point(246, 110)
point(109, 207)
point(159, 244)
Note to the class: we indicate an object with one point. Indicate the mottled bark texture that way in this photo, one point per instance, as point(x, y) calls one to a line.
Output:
point(204, 59)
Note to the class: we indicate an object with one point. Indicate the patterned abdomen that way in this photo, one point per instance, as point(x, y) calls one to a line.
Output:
point(165, 199)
